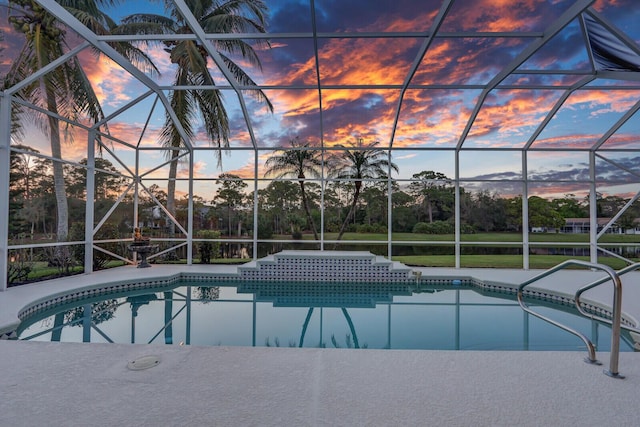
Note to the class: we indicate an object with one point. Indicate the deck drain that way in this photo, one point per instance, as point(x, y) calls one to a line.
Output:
point(144, 362)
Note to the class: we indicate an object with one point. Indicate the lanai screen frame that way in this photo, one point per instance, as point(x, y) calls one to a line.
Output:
point(577, 10)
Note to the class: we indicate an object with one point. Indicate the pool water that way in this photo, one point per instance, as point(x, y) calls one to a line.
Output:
point(316, 315)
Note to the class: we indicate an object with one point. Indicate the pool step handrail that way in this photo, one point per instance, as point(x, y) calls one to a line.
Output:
point(616, 315)
point(591, 358)
point(592, 316)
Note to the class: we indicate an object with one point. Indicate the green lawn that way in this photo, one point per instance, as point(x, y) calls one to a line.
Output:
point(39, 270)
point(498, 261)
point(477, 237)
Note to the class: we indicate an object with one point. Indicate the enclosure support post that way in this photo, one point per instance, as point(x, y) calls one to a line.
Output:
point(457, 208)
point(254, 254)
point(89, 207)
point(593, 210)
point(5, 174)
point(190, 213)
point(389, 210)
point(525, 212)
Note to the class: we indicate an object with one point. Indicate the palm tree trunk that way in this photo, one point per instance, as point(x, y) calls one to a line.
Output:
point(305, 203)
point(305, 326)
point(171, 191)
point(58, 170)
point(429, 209)
point(58, 323)
point(352, 210)
point(168, 313)
point(351, 327)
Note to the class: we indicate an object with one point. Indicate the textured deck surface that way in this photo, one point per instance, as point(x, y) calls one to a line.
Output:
point(53, 384)
point(61, 384)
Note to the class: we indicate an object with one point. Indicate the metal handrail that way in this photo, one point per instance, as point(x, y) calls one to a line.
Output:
point(615, 321)
point(579, 292)
point(617, 304)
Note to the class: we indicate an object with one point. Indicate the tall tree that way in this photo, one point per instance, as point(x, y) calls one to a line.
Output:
point(108, 181)
point(433, 190)
point(191, 58)
point(299, 161)
point(230, 195)
point(570, 206)
point(363, 162)
point(27, 174)
point(375, 199)
point(543, 214)
point(18, 194)
point(66, 90)
point(277, 202)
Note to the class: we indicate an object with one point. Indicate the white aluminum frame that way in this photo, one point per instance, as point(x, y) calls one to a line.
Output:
point(132, 172)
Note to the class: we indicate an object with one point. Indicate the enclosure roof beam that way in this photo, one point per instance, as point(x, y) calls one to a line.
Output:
point(321, 35)
point(442, 13)
point(559, 103)
point(617, 125)
point(44, 70)
point(556, 26)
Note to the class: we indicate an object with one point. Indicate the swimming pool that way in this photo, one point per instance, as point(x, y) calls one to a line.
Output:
point(333, 315)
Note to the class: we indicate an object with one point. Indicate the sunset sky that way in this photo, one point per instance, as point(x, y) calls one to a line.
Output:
point(361, 80)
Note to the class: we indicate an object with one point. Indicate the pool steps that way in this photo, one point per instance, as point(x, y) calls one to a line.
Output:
point(326, 266)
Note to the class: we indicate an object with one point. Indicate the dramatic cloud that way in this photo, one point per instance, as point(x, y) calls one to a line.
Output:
point(434, 111)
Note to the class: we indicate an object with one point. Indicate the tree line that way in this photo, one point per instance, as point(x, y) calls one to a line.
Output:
point(355, 200)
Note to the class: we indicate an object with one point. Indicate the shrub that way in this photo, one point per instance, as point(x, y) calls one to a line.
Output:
point(264, 229)
point(467, 229)
point(371, 228)
point(100, 259)
point(19, 267)
point(436, 227)
point(296, 234)
point(208, 250)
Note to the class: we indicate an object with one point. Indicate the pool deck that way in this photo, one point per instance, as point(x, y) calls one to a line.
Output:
point(57, 384)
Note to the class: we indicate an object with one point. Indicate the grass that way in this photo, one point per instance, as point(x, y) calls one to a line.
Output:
point(476, 237)
point(499, 261)
point(41, 271)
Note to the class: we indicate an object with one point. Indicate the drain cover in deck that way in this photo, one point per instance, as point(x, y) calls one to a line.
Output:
point(144, 362)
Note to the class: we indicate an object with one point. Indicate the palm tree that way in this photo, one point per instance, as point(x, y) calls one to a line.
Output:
point(221, 17)
point(299, 161)
point(357, 164)
point(66, 90)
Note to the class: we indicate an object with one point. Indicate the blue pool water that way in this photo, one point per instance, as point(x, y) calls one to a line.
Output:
point(315, 315)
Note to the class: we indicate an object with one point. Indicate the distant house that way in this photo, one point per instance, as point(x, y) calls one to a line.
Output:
point(583, 225)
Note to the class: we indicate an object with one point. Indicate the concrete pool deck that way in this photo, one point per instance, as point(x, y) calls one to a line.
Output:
point(89, 384)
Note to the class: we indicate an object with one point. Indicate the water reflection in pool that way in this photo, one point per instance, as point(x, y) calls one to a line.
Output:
point(381, 316)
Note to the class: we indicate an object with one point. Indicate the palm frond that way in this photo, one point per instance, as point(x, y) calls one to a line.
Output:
point(299, 161)
point(146, 23)
point(245, 80)
point(184, 107)
point(239, 47)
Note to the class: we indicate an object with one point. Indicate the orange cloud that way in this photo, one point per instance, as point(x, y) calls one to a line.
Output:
point(199, 168)
point(567, 141)
point(618, 101)
point(107, 78)
point(365, 61)
point(494, 15)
